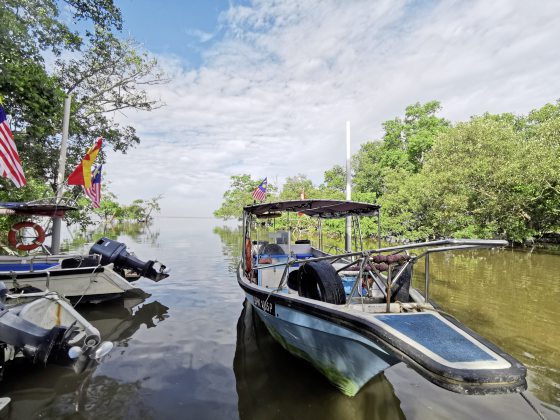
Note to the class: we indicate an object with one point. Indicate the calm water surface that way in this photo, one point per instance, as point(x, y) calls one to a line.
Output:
point(190, 348)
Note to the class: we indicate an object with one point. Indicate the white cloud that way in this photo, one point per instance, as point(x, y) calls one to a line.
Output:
point(272, 97)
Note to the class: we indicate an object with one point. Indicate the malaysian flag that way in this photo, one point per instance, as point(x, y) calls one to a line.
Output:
point(260, 192)
point(10, 165)
point(94, 192)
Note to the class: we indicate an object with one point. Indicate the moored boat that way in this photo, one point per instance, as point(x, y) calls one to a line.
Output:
point(354, 314)
point(44, 328)
point(105, 273)
point(100, 275)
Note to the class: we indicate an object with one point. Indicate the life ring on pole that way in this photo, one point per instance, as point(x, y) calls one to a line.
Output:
point(248, 256)
point(35, 243)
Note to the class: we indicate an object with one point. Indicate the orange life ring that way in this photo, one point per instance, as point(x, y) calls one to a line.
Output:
point(39, 238)
point(248, 256)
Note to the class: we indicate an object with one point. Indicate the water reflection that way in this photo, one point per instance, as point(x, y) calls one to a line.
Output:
point(272, 384)
point(510, 297)
point(231, 244)
point(140, 233)
point(57, 391)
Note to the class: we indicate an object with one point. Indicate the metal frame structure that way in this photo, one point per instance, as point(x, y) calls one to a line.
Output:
point(363, 258)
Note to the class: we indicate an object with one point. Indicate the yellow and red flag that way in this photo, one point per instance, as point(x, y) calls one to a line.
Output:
point(82, 174)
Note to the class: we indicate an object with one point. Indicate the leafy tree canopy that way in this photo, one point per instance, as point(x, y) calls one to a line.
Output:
point(240, 195)
point(87, 59)
point(495, 176)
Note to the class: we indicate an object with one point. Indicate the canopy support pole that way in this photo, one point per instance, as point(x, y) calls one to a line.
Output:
point(348, 234)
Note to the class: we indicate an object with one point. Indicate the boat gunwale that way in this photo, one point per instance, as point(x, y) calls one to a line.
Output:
point(53, 272)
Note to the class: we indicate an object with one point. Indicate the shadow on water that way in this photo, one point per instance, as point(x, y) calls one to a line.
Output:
point(58, 391)
point(273, 384)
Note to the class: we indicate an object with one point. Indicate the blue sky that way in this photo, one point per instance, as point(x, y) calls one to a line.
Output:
point(174, 26)
point(265, 87)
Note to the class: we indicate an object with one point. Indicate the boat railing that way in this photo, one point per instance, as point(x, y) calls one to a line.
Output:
point(362, 259)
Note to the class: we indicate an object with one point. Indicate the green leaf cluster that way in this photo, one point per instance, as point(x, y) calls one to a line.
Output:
point(240, 195)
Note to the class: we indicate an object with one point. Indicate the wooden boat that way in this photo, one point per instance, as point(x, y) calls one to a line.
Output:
point(354, 314)
point(102, 274)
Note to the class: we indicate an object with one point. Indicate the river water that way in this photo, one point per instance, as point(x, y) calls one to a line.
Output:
point(189, 348)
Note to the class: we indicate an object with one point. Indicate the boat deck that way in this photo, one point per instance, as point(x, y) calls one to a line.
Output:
point(444, 341)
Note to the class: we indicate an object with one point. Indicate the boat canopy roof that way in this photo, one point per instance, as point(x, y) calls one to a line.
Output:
point(35, 208)
point(326, 209)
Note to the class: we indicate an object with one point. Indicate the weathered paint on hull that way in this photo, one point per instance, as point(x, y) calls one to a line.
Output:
point(347, 359)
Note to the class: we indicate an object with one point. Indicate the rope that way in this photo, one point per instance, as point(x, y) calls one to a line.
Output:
point(94, 274)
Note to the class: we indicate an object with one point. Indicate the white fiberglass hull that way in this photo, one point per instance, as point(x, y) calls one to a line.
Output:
point(70, 283)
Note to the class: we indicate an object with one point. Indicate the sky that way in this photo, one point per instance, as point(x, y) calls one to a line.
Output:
point(265, 87)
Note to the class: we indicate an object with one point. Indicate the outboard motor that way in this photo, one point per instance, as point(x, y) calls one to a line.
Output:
point(115, 252)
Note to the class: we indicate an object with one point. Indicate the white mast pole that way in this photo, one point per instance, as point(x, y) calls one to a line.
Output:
point(348, 241)
point(55, 241)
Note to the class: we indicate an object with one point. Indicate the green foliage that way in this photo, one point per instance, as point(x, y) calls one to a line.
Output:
point(368, 169)
point(334, 184)
point(495, 176)
point(297, 185)
point(102, 72)
point(404, 146)
point(240, 195)
point(111, 212)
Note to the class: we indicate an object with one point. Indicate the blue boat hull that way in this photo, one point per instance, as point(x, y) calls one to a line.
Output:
point(346, 358)
point(350, 346)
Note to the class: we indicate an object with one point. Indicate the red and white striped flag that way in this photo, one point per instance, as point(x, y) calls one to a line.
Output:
point(10, 165)
point(94, 192)
point(260, 192)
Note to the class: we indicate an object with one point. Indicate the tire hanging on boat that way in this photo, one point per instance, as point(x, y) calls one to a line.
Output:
point(320, 281)
point(35, 243)
point(293, 280)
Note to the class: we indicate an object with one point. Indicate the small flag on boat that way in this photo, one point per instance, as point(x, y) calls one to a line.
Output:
point(94, 193)
point(10, 165)
point(260, 192)
point(82, 174)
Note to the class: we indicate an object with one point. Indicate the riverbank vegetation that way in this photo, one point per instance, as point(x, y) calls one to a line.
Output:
point(493, 176)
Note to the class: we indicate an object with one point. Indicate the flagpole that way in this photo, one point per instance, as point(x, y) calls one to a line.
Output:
point(55, 240)
point(347, 236)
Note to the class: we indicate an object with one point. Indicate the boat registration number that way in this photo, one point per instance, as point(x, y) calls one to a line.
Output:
point(268, 307)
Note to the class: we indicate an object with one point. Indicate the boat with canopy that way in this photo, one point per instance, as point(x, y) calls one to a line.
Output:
point(354, 314)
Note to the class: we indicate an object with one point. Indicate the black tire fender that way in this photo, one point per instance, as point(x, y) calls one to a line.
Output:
point(319, 280)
